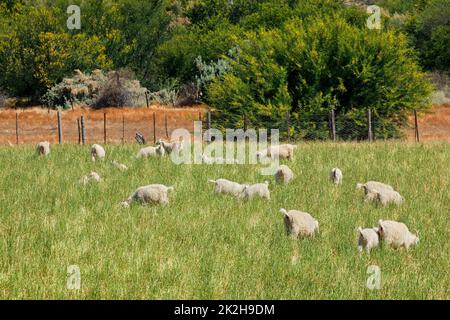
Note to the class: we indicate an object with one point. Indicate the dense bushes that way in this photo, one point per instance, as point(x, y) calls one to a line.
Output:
point(2, 99)
point(427, 25)
point(259, 58)
point(309, 67)
point(36, 51)
point(116, 89)
point(432, 36)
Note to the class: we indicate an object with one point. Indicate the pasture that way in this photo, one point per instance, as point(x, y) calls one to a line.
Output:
point(209, 246)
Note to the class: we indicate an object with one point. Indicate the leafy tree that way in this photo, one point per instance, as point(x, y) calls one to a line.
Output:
point(432, 34)
point(317, 64)
point(38, 52)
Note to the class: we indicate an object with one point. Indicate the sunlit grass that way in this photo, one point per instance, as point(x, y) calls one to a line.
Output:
point(204, 245)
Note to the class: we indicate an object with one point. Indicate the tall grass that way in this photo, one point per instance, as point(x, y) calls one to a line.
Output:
point(204, 245)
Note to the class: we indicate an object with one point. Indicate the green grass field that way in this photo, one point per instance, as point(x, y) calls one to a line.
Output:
point(208, 246)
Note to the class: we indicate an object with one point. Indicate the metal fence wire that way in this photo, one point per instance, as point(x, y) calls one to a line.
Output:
point(152, 124)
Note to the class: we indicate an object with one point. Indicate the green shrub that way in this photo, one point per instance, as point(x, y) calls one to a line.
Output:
point(37, 52)
point(116, 89)
point(312, 66)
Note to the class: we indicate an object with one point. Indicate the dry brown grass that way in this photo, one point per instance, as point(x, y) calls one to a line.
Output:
point(434, 124)
point(36, 124)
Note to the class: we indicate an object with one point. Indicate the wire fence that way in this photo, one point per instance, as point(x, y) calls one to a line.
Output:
point(93, 126)
point(149, 125)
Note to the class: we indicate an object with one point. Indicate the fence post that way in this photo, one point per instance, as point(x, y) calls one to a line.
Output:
point(123, 128)
point(146, 98)
point(416, 126)
point(201, 123)
point(79, 131)
point(154, 127)
point(17, 128)
point(60, 137)
point(333, 125)
point(208, 125)
point(165, 125)
point(369, 125)
point(83, 131)
point(104, 127)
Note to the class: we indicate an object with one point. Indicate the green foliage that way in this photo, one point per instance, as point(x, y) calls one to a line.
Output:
point(304, 57)
point(256, 86)
point(312, 66)
point(432, 35)
point(402, 6)
point(37, 52)
point(427, 24)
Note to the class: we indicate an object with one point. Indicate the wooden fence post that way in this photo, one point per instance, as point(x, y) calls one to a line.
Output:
point(79, 131)
point(60, 137)
point(333, 125)
point(123, 128)
point(369, 125)
point(146, 98)
point(104, 127)
point(83, 131)
point(17, 128)
point(200, 118)
point(416, 126)
point(208, 125)
point(165, 125)
point(154, 127)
